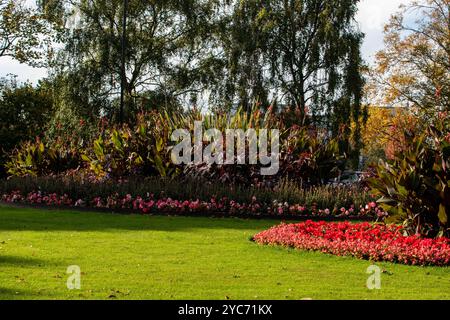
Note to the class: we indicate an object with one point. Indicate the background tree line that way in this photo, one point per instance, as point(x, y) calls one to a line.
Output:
point(216, 55)
point(211, 54)
point(301, 56)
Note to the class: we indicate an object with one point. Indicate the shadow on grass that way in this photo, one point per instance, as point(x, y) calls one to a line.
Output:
point(21, 294)
point(27, 219)
point(19, 261)
point(16, 262)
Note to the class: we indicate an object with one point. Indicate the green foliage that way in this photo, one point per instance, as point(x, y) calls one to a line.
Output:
point(24, 112)
point(311, 156)
point(145, 148)
point(300, 54)
point(24, 35)
point(415, 185)
point(164, 40)
point(38, 159)
point(70, 122)
point(304, 54)
point(120, 152)
point(67, 125)
point(307, 155)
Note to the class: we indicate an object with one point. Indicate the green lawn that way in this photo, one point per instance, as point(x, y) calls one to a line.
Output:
point(142, 257)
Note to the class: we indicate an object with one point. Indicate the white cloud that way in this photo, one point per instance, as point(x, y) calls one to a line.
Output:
point(23, 71)
point(372, 16)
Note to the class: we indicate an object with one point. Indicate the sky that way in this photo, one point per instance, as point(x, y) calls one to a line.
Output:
point(372, 16)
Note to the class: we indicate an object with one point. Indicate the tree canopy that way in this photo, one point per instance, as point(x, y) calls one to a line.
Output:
point(219, 54)
point(24, 35)
point(164, 43)
point(413, 69)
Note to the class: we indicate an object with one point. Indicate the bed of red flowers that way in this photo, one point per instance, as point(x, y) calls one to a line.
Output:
point(376, 242)
point(148, 204)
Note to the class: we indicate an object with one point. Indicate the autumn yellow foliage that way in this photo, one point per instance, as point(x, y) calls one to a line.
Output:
point(383, 133)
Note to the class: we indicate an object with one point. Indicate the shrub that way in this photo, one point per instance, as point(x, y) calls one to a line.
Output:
point(38, 159)
point(24, 111)
point(308, 155)
point(122, 152)
point(415, 184)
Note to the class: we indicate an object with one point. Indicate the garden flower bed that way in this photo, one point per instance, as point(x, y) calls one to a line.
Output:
point(374, 242)
point(223, 206)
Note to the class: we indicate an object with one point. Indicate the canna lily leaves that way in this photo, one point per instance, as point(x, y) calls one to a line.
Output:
point(443, 218)
point(387, 201)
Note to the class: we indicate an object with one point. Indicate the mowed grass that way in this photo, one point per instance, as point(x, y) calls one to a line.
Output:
point(145, 257)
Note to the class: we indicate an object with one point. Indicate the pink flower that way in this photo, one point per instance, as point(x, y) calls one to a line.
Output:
point(364, 240)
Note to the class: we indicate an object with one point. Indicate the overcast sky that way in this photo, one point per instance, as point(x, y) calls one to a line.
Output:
point(372, 16)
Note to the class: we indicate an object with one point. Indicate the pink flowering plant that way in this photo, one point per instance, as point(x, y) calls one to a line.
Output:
point(150, 204)
point(375, 242)
point(156, 195)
